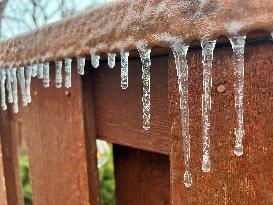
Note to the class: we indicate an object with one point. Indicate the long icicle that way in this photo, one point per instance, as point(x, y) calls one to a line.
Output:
point(238, 46)
point(22, 83)
point(124, 69)
point(144, 53)
point(207, 53)
point(34, 70)
point(28, 82)
point(80, 65)
point(46, 76)
point(8, 85)
point(67, 71)
point(58, 74)
point(3, 89)
point(40, 71)
point(180, 51)
point(14, 90)
point(111, 60)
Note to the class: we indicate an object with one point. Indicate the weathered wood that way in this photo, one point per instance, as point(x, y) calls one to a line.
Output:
point(232, 180)
point(3, 193)
point(138, 20)
point(54, 129)
point(119, 112)
point(141, 177)
point(10, 156)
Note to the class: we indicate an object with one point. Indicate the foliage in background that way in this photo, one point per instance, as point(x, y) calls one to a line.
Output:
point(25, 179)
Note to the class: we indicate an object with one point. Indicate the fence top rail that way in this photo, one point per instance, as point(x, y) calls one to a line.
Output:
point(124, 24)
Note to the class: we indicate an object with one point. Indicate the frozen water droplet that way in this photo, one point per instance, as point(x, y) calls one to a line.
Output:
point(3, 89)
point(207, 53)
point(180, 51)
point(40, 71)
point(22, 83)
point(28, 82)
point(95, 60)
point(111, 60)
point(67, 72)
point(80, 65)
point(14, 90)
point(144, 53)
point(272, 34)
point(8, 85)
point(238, 46)
point(58, 74)
point(34, 70)
point(46, 76)
point(124, 70)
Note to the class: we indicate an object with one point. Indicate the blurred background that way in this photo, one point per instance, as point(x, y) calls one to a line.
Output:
point(20, 16)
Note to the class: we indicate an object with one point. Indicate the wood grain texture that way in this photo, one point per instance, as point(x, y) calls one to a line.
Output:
point(141, 177)
point(54, 130)
point(128, 22)
point(232, 180)
point(3, 193)
point(119, 112)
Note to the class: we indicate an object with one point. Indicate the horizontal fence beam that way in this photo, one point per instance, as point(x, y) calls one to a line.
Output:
point(122, 24)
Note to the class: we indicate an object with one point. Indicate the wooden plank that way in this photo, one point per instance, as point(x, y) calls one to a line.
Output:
point(3, 193)
point(131, 21)
point(119, 112)
point(10, 154)
point(54, 129)
point(141, 177)
point(232, 180)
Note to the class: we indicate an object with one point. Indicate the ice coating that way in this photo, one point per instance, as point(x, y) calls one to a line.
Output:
point(40, 71)
point(3, 89)
point(95, 60)
point(144, 53)
point(58, 74)
point(238, 46)
point(34, 70)
point(14, 87)
point(111, 60)
point(67, 72)
point(8, 85)
point(207, 53)
point(124, 70)
point(22, 83)
point(46, 76)
point(80, 65)
point(28, 83)
point(180, 50)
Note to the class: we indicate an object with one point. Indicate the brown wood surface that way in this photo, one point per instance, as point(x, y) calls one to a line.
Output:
point(245, 180)
point(128, 22)
point(141, 177)
point(54, 129)
point(10, 154)
point(3, 193)
point(119, 112)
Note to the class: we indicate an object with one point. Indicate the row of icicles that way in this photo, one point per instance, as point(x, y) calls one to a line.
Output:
point(10, 76)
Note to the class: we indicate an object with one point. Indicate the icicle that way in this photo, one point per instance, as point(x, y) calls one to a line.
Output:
point(58, 74)
point(3, 89)
point(14, 90)
point(46, 77)
point(8, 85)
point(111, 60)
point(144, 53)
point(207, 53)
point(124, 70)
point(34, 70)
point(40, 71)
point(22, 83)
point(95, 60)
point(28, 82)
point(67, 71)
point(180, 54)
point(238, 46)
point(81, 64)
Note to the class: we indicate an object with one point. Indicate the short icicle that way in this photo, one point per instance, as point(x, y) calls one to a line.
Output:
point(22, 83)
point(3, 89)
point(238, 46)
point(144, 53)
point(95, 59)
point(8, 85)
point(80, 65)
point(58, 74)
point(46, 76)
point(67, 71)
point(28, 82)
point(40, 71)
point(124, 70)
point(34, 70)
point(180, 51)
point(111, 60)
point(207, 53)
point(14, 90)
